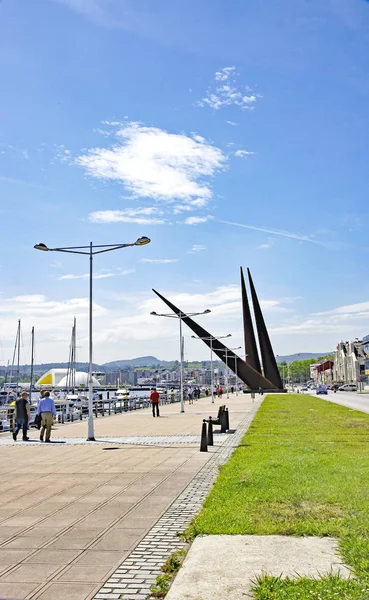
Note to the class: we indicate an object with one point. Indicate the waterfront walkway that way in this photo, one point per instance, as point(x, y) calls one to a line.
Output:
point(76, 514)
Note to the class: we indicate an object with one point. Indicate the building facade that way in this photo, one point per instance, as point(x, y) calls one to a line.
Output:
point(349, 362)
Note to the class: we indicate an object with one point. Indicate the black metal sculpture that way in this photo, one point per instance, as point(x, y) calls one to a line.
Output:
point(270, 367)
point(244, 371)
point(251, 351)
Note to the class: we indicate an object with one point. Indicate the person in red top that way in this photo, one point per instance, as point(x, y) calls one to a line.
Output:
point(154, 399)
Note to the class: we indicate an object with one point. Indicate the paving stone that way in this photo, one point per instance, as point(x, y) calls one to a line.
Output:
point(142, 566)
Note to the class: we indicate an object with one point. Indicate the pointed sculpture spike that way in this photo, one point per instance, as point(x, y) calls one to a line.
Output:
point(267, 356)
point(244, 371)
point(251, 351)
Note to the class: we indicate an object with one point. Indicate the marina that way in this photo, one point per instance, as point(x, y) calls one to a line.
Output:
point(74, 407)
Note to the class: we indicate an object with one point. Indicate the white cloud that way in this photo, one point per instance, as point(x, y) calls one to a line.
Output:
point(161, 261)
point(140, 216)
point(61, 154)
point(198, 248)
point(360, 308)
point(267, 245)
point(153, 163)
point(224, 74)
point(197, 220)
point(94, 276)
point(225, 92)
point(231, 123)
point(124, 327)
point(243, 153)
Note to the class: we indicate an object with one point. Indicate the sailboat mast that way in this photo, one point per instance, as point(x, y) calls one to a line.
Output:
point(18, 354)
point(74, 342)
point(32, 361)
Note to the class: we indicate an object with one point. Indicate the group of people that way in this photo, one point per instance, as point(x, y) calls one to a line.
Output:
point(217, 391)
point(193, 394)
point(45, 415)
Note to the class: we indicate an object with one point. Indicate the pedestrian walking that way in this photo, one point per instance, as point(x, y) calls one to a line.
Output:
point(154, 399)
point(220, 391)
point(22, 412)
point(206, 392)
point(190, 396)
point(46, 408)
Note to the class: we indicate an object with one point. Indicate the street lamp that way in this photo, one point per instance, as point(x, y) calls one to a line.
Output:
point(89, 251)
point(235, 362)
point(179, 316)
point(210, 339)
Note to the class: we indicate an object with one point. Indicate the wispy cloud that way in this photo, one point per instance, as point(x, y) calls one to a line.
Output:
point(198, 248)
point(197, 220)
point(231, 123)
point(61, 154)
point(287, 234)
point(69, 276)
point(243, 153)
point(359, 308)
point(20, 151)
point(140, 216)
point(159, 261)
point(267, 244)
point(153, 163)
point(226, 92)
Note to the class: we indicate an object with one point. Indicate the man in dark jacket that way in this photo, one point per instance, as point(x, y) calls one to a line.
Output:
point(21, 415)
point(154, 399)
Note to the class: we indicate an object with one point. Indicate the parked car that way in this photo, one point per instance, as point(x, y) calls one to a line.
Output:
point(348, 387)
point(321, 389)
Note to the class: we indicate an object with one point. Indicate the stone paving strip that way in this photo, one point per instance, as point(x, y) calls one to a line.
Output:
point(224, 566)
point(154, 440)
point(133, 579)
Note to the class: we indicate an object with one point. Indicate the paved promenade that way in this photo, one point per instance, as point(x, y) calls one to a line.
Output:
point(72, 512)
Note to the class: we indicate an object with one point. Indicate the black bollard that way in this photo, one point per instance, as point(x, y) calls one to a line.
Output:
point(210, 432)
point(227, 419)
point(204, 441)
point(223, 427)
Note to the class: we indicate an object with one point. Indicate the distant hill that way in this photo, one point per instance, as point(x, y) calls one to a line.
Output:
point(301, 356)
point(141, 361)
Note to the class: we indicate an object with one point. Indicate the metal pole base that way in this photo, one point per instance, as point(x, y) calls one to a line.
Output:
point(91, 439)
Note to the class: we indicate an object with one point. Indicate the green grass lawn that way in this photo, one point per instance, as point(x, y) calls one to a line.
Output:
point(301, 469)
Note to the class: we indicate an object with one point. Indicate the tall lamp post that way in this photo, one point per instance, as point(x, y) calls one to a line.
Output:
point(179, 317)
point(210, 339)
point(235, 363)
point(90, 251)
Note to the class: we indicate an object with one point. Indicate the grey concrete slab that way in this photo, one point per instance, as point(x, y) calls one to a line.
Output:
point(223, 566)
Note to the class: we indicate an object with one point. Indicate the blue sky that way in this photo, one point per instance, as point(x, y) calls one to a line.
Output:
point(230, 134)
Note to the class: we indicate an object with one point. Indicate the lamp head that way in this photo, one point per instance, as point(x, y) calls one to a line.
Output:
point(142, 241)
point(42, 247)
point(153, 313)
point(207, 311)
